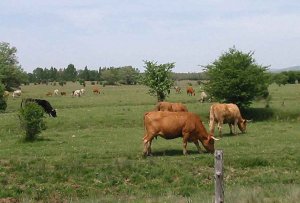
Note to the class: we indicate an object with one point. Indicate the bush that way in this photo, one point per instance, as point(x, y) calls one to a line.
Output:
point(92, 83)
point(3, 103)
point(61, 83)
point(31, 120)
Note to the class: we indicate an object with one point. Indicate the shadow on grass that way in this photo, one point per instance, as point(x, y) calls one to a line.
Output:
point(258, 114)
point(172, 152)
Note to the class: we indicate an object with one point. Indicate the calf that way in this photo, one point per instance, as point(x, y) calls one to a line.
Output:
point(63, 93)
point(170, 125)
point(226, 113)
point(49, 94)
point(190, 91)
point(16, 93)
point(43, 103)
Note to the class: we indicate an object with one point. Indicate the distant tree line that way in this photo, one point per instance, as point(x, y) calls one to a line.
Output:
point(123, 75)
point(286, 77)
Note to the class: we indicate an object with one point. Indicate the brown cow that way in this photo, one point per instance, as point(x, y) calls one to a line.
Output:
point(170, 125)
point(96, 90)
point(226, 113)
point(190, 91)
point(63, 93)
point(177, 89)
point(168, 106)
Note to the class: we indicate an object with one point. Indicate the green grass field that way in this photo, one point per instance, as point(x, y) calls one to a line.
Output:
point(92, 152)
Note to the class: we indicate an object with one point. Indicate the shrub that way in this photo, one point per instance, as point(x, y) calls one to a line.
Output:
point(31, 120)
point(3, 103)
point(93, 83)
point(61, 83)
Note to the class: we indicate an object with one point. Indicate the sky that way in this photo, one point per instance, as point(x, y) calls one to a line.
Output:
point(116, 33)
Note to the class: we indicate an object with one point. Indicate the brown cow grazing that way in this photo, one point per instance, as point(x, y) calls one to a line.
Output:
point(170, 125)
point(168, 106)
point(63, 93)
point(96, 90)
point(190, 91)
point(49, 94)
point(177, 89)
point(226, 113)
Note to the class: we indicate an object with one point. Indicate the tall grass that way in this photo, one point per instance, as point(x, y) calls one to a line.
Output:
point(92, 152)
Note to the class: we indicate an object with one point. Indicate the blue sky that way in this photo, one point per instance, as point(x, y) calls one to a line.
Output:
point(98, 33)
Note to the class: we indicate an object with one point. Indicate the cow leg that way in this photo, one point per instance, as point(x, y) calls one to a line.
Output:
point(212, 126)
point(230, 127)
point(185, 140)
point(234, 127)
point(198, 146)
point(220, 124)
point(147, 145)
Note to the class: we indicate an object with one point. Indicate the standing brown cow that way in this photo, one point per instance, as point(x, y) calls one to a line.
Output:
point(170, 125)
point(226, 113)
point(190, 91)
point(168, 106)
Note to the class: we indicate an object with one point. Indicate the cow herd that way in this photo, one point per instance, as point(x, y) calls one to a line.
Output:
point(172, 120)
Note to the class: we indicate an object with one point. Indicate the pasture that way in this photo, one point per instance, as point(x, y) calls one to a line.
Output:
point(92, 152)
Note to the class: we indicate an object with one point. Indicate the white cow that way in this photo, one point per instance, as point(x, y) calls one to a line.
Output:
point(55, 92)
point(16, 93)
point(82, 91)
point(77, 93)
point(203, 97)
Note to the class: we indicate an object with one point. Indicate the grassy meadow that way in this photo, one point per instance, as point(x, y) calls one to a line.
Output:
point(92, 152)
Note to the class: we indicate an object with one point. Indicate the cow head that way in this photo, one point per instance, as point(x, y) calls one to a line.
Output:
point(242, 125)
point(209, 143)
point(53, 113)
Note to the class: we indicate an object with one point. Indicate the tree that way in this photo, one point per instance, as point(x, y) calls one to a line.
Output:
point(158, 78)
point(129, 75)
point(3, 103)
point(70, 73)
point(236, 78)
point(11, 74)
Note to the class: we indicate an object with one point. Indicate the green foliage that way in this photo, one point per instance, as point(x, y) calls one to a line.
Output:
point(158, 77)
point(31, 120)
point(3, 104)
point(11, 75)
point(236, 78)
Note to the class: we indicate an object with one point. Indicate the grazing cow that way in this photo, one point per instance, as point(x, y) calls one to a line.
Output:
point(170, 125)
point(203, 97)
point(226, 113)
point(16, 93)
point(55, 92)
point(63, 93)
point(190, 91)
point(82, 91)
point(49, 94)
point(43, 103)
point(76, 93)
point(96, 90)
point(168, 106)
point(177, 89)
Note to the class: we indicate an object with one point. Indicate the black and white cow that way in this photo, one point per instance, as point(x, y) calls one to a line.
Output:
point(43, 103)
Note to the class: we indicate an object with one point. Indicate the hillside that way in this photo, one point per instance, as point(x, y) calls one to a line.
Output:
point(292, 68)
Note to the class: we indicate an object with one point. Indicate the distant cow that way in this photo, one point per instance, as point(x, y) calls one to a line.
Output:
point(82, 91)
point(96, 90)
point(49, 94)
point(63, 93)
point(203, 97)
point(177, 89)
point(55, 92)
point(226, 113)
point(76, 93)
point(190, 91)
point(43, 103)
point(170, 125)
point(168, 106)
point(16, 93)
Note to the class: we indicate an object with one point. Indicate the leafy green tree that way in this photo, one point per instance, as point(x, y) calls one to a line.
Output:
point(129, 75)
point(3, 103)
point(280, 79)
point(111, 75)
point(158, 77)
point(11, 74)
point(236, 78)
point(70, 73)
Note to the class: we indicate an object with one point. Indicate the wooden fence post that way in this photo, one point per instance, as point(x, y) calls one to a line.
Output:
point(219, 191)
